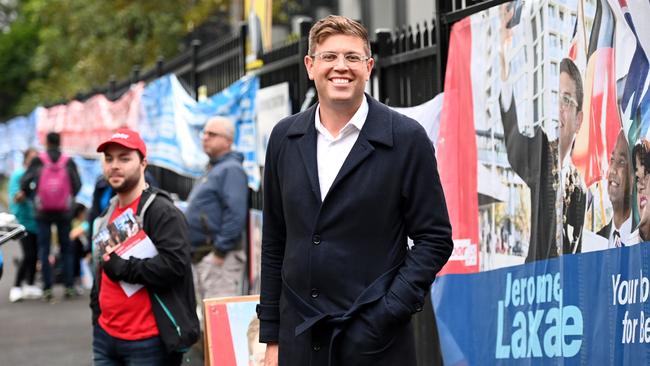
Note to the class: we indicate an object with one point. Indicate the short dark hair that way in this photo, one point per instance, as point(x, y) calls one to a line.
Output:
point(78, 209)
point(53, 139)
point(569, 67)
point(642, 150)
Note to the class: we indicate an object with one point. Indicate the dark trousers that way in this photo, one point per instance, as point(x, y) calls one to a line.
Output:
point(110, 351)
point(67, 252)
point(27, 268)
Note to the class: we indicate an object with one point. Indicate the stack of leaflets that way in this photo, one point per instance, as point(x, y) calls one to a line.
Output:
point(125, 237)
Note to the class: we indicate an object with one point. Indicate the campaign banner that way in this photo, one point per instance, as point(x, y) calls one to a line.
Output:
point(19, 134)
point(546, 172)
point(89, 171)
point(273, 104)
point(255, 219)
point(173, 121)
point(84, 125)
point(583, 309)
point(546, 140)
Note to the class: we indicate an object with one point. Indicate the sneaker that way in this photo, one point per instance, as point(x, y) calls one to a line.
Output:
point(47, 295)
point(32, 292)
point(70, 292)
point(15, 294)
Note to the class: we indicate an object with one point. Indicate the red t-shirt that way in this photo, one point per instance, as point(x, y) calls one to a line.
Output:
point(128, 318)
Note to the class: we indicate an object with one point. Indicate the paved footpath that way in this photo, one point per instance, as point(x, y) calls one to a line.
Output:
point(34, 332)
point(37, 333)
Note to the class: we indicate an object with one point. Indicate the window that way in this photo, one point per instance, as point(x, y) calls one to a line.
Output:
point(553, 40)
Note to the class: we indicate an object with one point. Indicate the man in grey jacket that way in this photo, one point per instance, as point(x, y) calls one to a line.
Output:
point(217, 214)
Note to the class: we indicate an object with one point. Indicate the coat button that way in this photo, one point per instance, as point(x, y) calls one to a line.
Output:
point(418, 307)
point(316, 347)
point(315, 293)
point(315, 239)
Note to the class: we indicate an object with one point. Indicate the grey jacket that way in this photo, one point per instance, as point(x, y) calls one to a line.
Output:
point(218, 204)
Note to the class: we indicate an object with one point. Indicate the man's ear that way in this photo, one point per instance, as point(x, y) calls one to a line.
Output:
point(370, 64)
point(309, 64)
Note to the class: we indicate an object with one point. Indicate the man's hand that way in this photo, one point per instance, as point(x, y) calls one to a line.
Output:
point(216, 260)
point(271, 355)
point(76, 232)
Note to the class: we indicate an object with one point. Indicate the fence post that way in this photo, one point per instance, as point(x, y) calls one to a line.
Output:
point(384, 48)
point(160, 62)
point(243, 34)
point(441, 30)
point(303, 49)
point(194, 83)
point(135, 74)
point(111, 87)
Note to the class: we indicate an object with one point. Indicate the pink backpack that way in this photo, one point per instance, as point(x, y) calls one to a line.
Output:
point(53, 192)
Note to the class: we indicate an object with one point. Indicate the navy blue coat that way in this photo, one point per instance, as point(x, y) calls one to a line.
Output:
point(339, 283)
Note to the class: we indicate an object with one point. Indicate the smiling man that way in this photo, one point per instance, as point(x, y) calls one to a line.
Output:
point(619, 186)
point(346, 182)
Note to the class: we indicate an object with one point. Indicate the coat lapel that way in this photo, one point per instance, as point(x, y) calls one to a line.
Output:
point(305, 131)
point(378, 128)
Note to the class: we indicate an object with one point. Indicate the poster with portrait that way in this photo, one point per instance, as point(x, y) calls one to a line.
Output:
point(232, 332)
point(559, 110)
point(546, 139)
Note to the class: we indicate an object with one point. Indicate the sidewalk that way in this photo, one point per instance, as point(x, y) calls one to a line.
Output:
point(38, 333)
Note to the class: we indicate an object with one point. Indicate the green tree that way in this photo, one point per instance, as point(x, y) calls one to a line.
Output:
point(81, 43)
point(56, 49)
point(17, 47)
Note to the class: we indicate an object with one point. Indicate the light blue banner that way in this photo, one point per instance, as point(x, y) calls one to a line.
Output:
point(89, 171)
point(582, 309)
point(18, 134)
point(173, 120)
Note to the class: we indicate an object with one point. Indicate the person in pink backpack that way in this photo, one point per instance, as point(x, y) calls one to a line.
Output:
point(52, 181)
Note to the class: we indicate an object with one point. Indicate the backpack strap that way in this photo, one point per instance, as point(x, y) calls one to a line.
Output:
point(45, 158)
point(140, 216)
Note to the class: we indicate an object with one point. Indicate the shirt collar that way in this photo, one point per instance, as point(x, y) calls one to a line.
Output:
point(357, 120)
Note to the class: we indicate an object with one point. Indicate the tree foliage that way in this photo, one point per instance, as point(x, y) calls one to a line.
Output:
point(54, 49)
point(58, 48)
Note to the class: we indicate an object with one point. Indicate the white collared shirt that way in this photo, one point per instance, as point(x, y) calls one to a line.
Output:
point(625, 231)
point(331, 151)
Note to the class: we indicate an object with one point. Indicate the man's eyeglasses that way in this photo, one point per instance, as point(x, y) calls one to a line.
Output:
point(210, 134)
point(567, 101)
point(351, 59)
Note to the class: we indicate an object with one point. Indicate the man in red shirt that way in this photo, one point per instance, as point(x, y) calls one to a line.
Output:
point(157, 323)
